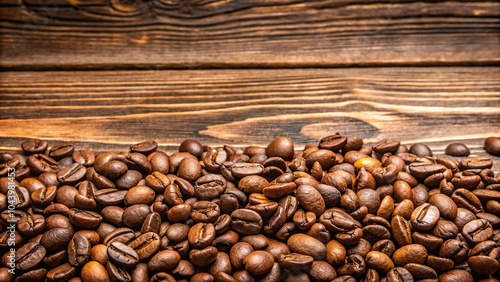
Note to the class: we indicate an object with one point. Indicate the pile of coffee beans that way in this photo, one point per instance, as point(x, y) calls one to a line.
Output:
point(337, 210)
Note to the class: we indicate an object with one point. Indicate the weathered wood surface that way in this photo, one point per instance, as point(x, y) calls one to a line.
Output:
point(162, 34)
point(110, 110)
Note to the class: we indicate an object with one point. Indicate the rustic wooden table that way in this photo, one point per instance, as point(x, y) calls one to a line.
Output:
point(107, 74)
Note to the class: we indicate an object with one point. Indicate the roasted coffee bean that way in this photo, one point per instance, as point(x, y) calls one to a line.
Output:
point(210, 186)
point(295, 261)
point(56, 239)
point(63, 272)
point(122, 235)
point(282, 147)
point(79, 250)
point(94, 271)
point(84, 219)
point(29, 256)
point(135, 215)
point(205, 211)
point(34, 146)
point(492, 145)
point(201, 235)
point(477, 231)
point(71, 174)
point(31, 224)
point(425, 217)
point(203, 257)
point(122, 255)
point(117, 273)
point(258, 262)
point(246, 221)
point(457, 150)
point(456, 275)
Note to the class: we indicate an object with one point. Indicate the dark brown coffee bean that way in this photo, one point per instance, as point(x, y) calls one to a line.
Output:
point(56, 239)
point(456, 275)
point(475, 163)
point(203, 257)
point(421, 150)
point(84, 219)
point(424, 170)
point(310, 199)
point(445, 229)
point(401, 230)
point(117, 273)
point(146, 245)
point(29, 256)
point(79, 250)
point(412, 253)
point(457, 150)
point(379, 261)
point(210, 186)
point(477, 231)
point(466, 199)
point(189, 169)
point(295, 261)
point(60, 151)
point(420, 271)
point(303, 220)
point(492, 145)
point(257, 242)
point(135, 215)
point(282, 147)
point(307, 245)
point(205, 211)
point(279, 190)
point(246, 221)
point(63, 272)
point(399, 274)
point(238, 252)
point(333, 143)
point(34, 146)
point(429, 241)
point(440, 264)
point(240, 170)
point(44, 196)
point(354, 266)
point(71, 174)
point(110, 196)
point(425, 217)
point(123, 235)
point(122, 255)
point(201, 235)
point(337, 220)
point(31, 224)
point(446, 206)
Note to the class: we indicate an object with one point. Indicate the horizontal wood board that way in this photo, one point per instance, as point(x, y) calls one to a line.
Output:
point(178, 34)
point(110, 110)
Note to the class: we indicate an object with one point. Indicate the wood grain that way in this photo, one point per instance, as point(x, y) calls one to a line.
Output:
point(165, 34)
point(110, 110)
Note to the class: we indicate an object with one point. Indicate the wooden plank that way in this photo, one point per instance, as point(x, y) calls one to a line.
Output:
point(110, 110)
point(160, 34)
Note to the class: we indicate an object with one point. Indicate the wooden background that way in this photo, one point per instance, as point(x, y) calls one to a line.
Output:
point(109, 73)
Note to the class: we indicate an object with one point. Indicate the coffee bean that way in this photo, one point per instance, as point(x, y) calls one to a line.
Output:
point(457, 150)
point(246, 221)
point(122, 255)
point(492, 145)
point(29, 256)
point(84, 219)
point(34, 146)
point(420, 150)
point(282, 147)
point(425, 217)
point(295, 261)
point(79, 250)
point(94, 271)
point(63, 272)
point(477, 231)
